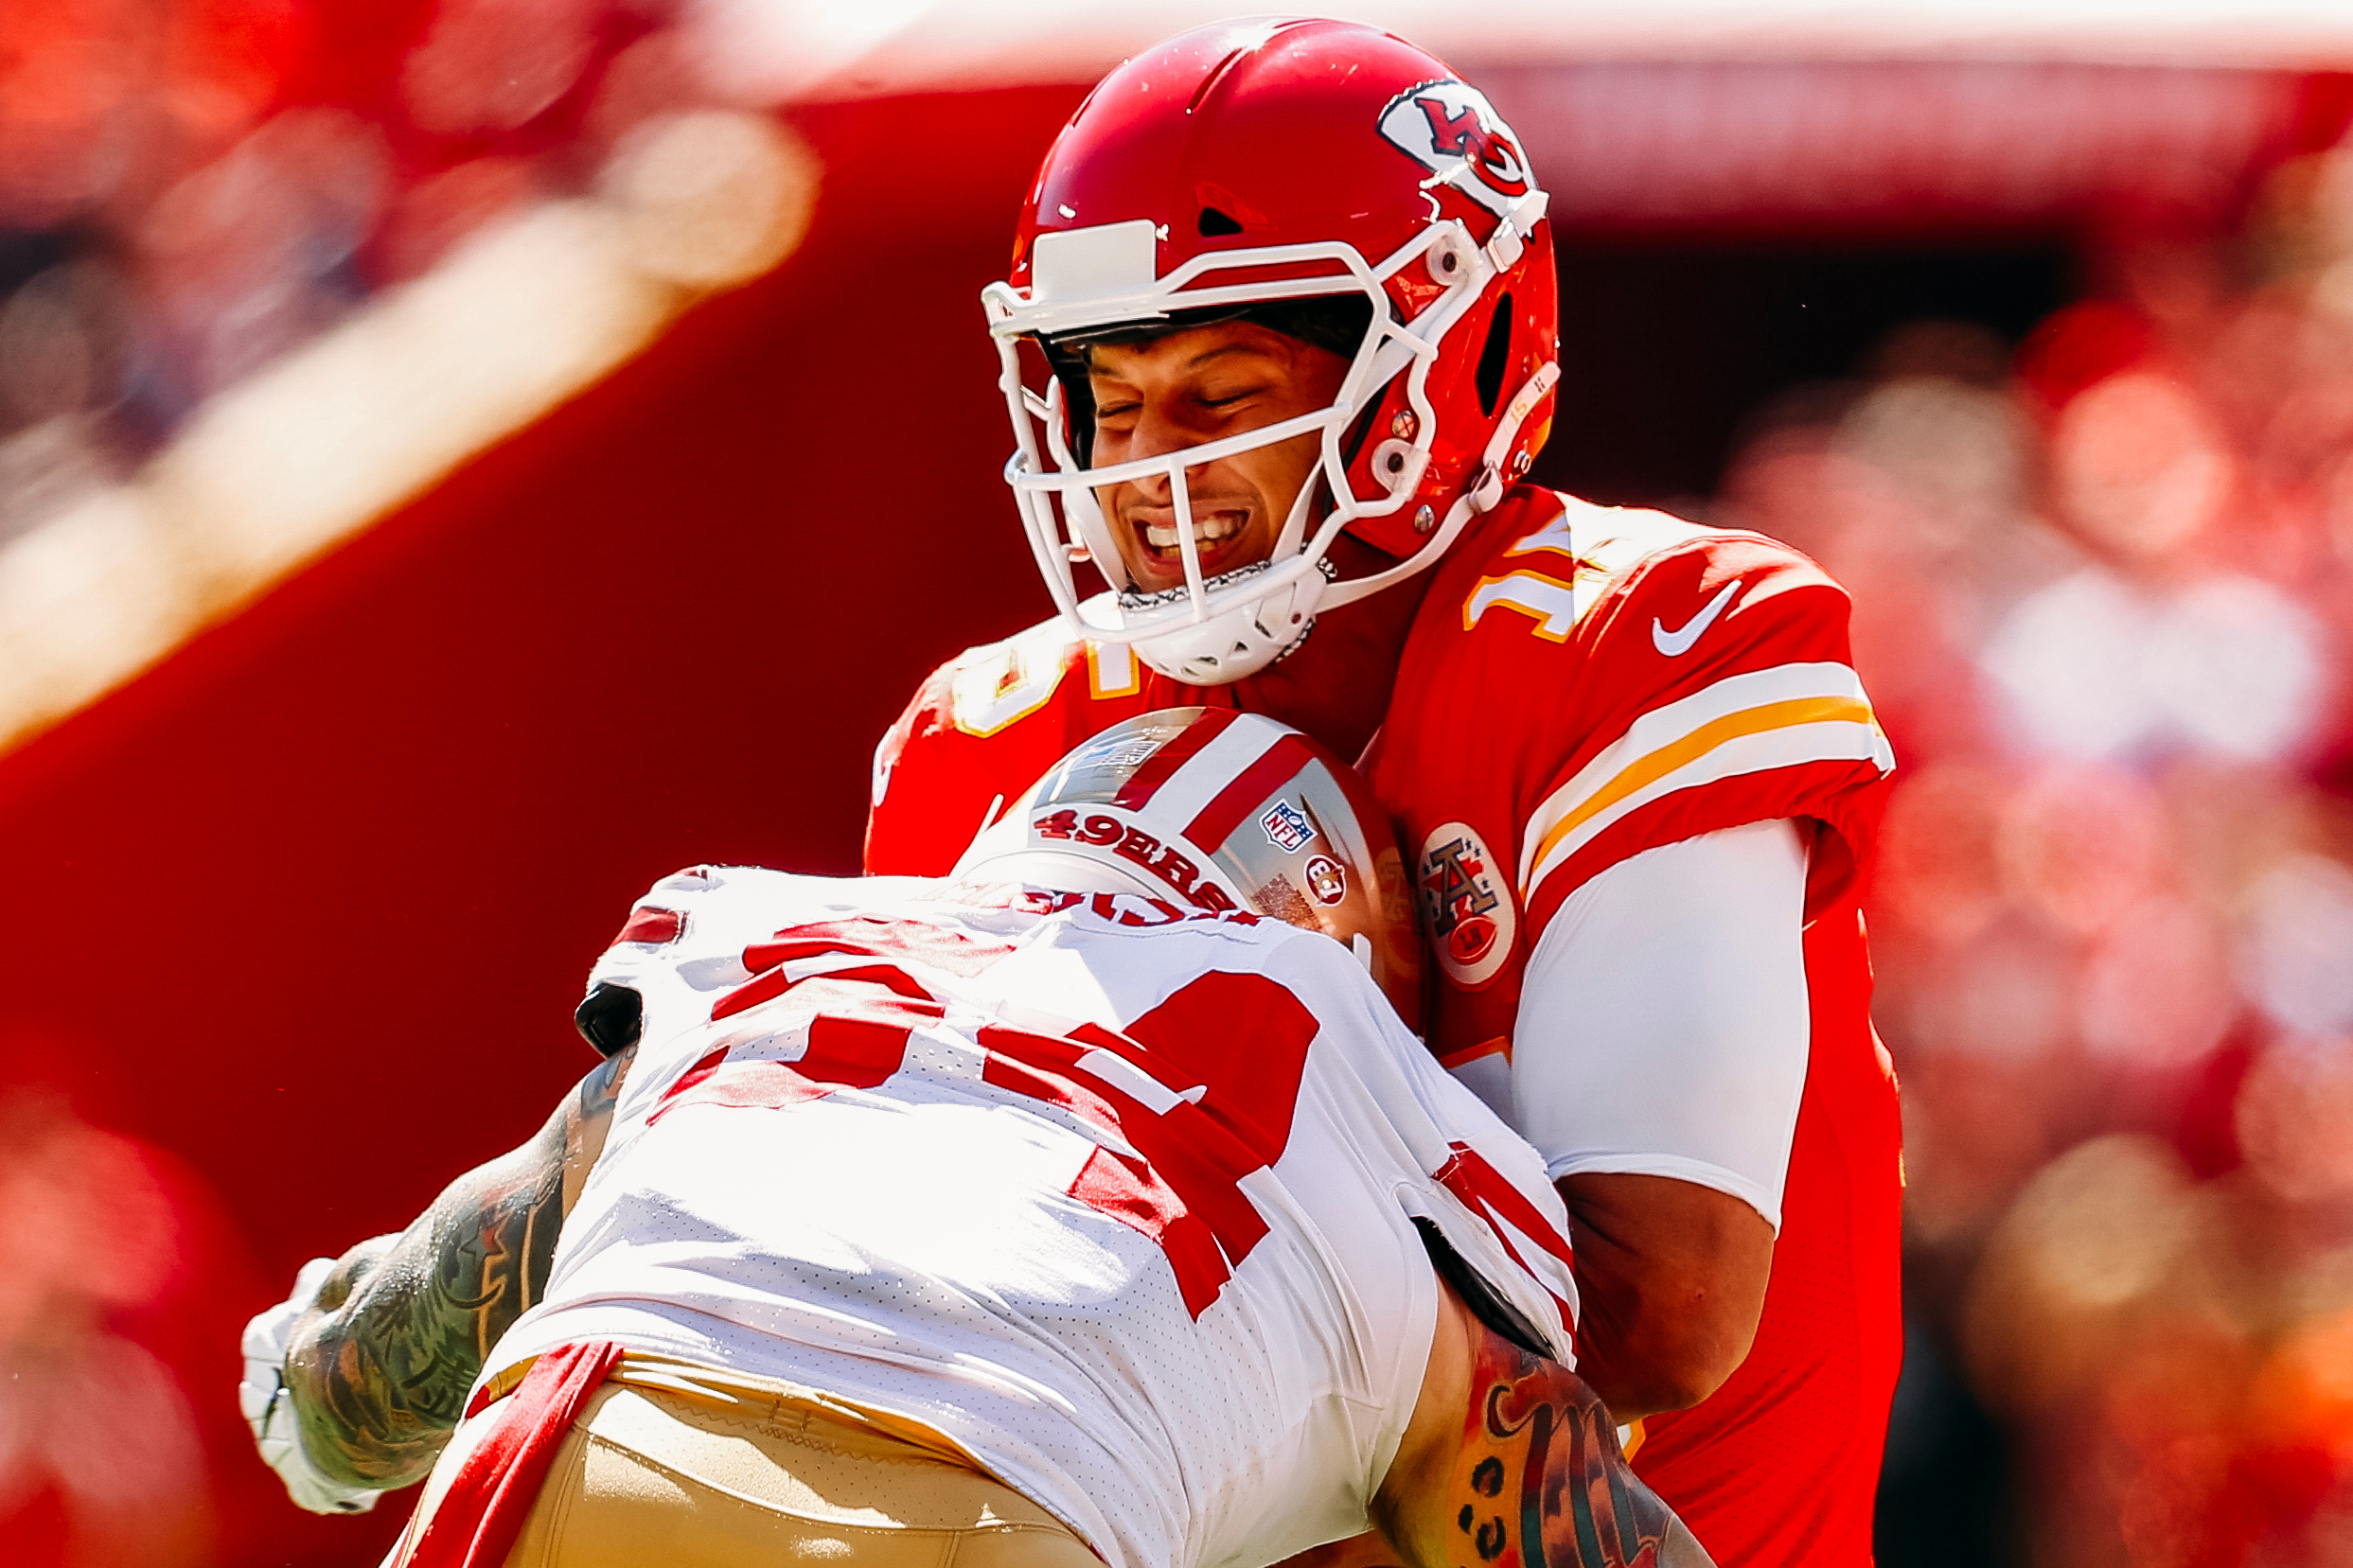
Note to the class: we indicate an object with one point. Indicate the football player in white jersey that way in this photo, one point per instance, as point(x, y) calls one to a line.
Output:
point(1089, 1206)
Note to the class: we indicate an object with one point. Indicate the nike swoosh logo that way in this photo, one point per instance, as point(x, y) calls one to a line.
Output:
point(1678, 641)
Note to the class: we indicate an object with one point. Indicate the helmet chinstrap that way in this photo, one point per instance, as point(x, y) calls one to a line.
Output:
point(1133, 602)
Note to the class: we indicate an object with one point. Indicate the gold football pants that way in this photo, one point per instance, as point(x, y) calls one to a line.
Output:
point(688, 1476)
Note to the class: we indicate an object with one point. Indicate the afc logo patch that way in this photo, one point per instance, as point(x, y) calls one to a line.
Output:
point(1287, 827)
point(1450, 128)
point(1471, 920)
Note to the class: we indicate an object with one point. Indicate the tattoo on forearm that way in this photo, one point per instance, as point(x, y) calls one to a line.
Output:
point(1540, 1481)
point(380, 1378)
point(386, 1373)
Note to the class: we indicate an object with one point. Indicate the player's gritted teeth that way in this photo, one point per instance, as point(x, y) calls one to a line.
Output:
point(1216, 537)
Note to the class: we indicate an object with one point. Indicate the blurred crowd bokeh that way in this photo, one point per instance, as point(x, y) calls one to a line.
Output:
point(2104, 590)
point(190, 188)
point(101, 1248)
point(269, 268)
point(191, 192)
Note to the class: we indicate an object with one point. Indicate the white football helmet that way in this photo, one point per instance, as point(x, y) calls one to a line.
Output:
point(1209, 809)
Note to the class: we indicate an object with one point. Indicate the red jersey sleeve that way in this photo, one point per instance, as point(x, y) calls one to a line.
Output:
point(1720, 691)
point(1584, 683)
point(919, 794)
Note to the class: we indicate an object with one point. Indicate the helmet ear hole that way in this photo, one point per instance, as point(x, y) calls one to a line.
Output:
point(1398, 465)
point(1214, 222)
point(1495, 357)
point(1449, 257)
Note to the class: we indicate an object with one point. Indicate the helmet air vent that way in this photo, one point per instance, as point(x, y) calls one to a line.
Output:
point(1496, 357)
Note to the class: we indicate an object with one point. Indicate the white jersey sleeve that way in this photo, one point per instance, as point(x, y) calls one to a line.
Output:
point(1119, 1198)
point(1664, 1023)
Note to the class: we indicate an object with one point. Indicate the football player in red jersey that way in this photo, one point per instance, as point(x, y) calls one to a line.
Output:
point(1290, 293)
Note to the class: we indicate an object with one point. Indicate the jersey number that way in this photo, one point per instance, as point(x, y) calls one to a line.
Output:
point(1202, 1088)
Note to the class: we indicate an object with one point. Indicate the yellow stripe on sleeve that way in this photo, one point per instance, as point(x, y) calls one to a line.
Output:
point(1655, 766)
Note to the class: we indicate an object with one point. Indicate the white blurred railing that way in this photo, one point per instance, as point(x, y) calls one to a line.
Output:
point(289, 462)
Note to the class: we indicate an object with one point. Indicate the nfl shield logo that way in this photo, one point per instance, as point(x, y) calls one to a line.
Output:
point(1286, 827)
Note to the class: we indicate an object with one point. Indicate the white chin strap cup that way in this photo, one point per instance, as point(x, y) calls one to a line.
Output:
point(1241, 641)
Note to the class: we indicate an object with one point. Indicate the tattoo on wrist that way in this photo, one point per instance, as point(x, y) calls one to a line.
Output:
point(381, 1372)
point(381, 1379)
point(387, 1374)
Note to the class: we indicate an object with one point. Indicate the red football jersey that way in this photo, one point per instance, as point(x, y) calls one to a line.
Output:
point(1584, 683)
point(987, 725)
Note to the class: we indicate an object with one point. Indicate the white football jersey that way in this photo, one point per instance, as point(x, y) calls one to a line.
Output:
point(1119, 1197)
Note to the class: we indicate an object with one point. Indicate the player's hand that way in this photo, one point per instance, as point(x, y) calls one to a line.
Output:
point(269, 1404)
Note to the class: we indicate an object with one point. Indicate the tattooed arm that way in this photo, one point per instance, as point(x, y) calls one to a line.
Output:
point(379, 1369)
point(1510, 1458)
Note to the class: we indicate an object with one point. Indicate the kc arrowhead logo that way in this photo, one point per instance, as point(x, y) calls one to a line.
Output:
point(1450, 128)
point(1471, 921)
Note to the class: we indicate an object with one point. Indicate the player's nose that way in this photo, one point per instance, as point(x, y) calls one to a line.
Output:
point(1156, 433)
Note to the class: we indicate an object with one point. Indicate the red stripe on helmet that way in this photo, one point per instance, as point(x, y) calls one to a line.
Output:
point(1277, 766)
point(1162, 765)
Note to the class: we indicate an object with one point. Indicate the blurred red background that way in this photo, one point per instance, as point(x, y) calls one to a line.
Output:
point(295, 919)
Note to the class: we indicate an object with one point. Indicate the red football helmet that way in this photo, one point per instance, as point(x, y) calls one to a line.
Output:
point(1211, 809)
point(1239, 170)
